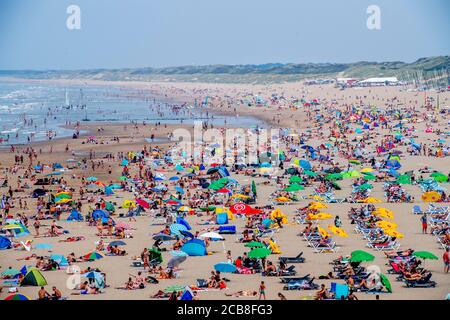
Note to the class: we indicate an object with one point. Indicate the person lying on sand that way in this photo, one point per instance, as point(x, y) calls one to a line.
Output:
point(73, 239)
point(242, 293)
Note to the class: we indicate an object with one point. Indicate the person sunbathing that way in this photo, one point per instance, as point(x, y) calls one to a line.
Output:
point(412, 276)
point(322, 294)
point(242, 293)
point(362, 285)
point(73, 239)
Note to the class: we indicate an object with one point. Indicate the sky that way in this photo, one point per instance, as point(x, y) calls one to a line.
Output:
point(161, 33)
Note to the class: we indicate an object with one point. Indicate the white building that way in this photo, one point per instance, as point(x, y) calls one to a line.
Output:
point(384, 81)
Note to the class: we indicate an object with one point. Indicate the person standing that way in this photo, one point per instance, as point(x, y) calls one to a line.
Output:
point(446, 258)
point(424, 223)
point(262, 290)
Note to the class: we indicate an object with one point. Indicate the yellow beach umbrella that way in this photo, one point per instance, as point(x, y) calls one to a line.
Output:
point(338, 231)
point(322, 232)
point(371, 200)
point(283, 199)
point(317, 205)
point(321, 216)
point(367, 170)
point(318, 198)
point(240, 196)
point(63, 201)
point(431, 196)
point(384, 213)
point(386, 224)
point(128, 203)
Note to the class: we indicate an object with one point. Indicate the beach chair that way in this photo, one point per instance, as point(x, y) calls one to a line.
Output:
point(432, 209)
point(329, 247)
point(296, 259)
point(417, 210)
point(392, 245)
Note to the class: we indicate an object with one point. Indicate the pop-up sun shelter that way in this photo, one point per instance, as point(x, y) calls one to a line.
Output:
point(195, 247)
point(5, 243)
point(75, 216)
point(33, 278)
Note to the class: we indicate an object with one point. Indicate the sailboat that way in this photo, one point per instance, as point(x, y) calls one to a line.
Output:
point(83, 106)
point(67, 103)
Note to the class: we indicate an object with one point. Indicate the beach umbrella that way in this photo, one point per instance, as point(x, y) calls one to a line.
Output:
point(94, 255)
point(383, 213)
point(294, 187)
point(225, 267)
point(143, 203)
point(17, 297)
point(163, 237)
point(393, 233)
point(386, 224)
point(317, 205)
point(122, 178)
point(174, 178)
point(211, 235)
point(366, 170)
point(425, 255)
point(361, 256)
point(259, 253)
point(10, 272)
point(305, 164)
point(175, 288)
point(254, 244)
point(318, 198)
point(175, 228)
point(323, 232)
point(385, 281)
point(338, 231)
point(365, 186)
point(184, 209)
point(210, 208)
point(295, 179)
point(310, 173)
point(431, 196)
point(371, 200)
point(175, 261)
point(63, 201)
point(223, 190)
point(91, 178)
point(320, 216)
point(439, 177)
point(404, 179)
point(43, 246)
point(334, 176)
point(368, 176)
point(177, 253)
point(128, 203)
point(241, 208)
point(117, 243)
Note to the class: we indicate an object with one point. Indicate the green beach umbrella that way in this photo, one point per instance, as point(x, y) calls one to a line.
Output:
point(295, 179)
point(439, 177)
point(360, 256)
point(385, 281)
point(334, 176)
point(294, 187)
point(122, 178)
point(404, 179)
point(310, 173)
point(368, 176)
point(174, 288)
point(254, 244)
point(425, 255)
point(210, 208)
point(365, 186)
point(259, 253)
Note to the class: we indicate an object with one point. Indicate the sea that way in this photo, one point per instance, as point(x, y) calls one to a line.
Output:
point(31, 112)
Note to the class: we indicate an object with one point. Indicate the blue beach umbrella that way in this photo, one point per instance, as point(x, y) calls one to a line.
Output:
point(225, 267)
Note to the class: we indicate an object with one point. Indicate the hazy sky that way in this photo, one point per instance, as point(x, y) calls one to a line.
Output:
point(138, 33)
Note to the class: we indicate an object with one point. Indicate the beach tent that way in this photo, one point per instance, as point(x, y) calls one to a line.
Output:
point(340, 290)
point(155, 255)
point(183, 222)
point(59, 259)
point(195, 247)
point(187, 294)
point(5, 243)
point(175, 228)
point(75, 215)
point(97, 214)
point(175, 261)
point(108, 191)
point(34, 278)
point(222, 218)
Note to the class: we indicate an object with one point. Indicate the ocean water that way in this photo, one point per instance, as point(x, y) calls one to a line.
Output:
point(35, 112)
